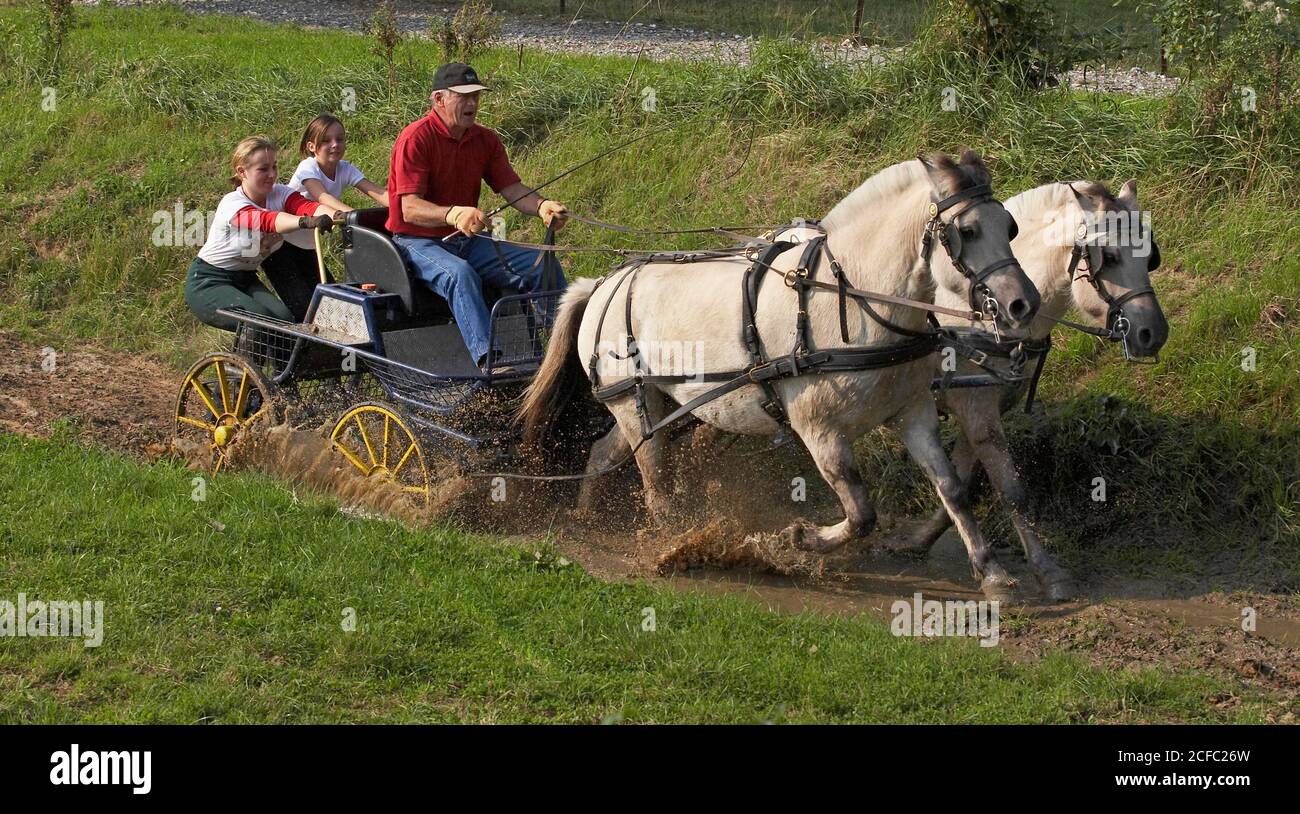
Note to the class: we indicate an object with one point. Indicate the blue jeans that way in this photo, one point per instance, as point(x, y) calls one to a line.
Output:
point(456, 270)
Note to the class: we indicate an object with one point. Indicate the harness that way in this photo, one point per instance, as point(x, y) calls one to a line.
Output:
point(979, 347)
point(803, 360)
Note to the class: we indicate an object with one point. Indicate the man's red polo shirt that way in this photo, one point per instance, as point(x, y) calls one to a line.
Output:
point(428, 162)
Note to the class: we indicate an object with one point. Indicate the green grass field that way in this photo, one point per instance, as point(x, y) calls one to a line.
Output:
point(1202, 456)
point(231, 610)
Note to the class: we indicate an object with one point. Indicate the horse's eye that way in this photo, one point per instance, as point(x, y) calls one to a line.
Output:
point(969, 232)
point(1110, 257)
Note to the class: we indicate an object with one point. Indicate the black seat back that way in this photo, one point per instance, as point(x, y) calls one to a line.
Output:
point(369, 256)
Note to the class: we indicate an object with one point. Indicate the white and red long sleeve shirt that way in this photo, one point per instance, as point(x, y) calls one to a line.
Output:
point(243, 234)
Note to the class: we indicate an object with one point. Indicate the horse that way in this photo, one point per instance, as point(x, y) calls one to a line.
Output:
point(1113, 292)
point(882, 233)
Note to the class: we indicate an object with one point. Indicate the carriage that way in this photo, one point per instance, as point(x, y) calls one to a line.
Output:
point(380, 355)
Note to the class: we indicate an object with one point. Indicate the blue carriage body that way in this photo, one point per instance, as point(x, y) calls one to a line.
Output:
point(384, 323)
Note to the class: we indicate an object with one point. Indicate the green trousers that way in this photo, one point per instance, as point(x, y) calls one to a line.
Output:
point(208, 288)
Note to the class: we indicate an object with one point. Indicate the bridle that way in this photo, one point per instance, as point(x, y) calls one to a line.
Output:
point(1117, 324)
point(980, 297)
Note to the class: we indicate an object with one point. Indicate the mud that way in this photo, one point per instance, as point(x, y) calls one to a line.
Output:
point(102, 397)
point(723, 543)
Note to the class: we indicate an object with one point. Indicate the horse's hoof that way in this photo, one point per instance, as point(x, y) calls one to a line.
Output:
point(795, 534)
point(907, 542)
point(1058, 585)
point(806, 537)
point(999, 588)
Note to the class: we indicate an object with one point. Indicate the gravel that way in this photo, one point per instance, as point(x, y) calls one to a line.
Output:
point(611, 38)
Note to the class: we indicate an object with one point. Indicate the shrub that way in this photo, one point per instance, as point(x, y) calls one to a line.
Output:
point(469, 30)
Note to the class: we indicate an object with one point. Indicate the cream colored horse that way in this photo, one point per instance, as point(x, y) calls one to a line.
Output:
point(1048, 216)
point(876, 233)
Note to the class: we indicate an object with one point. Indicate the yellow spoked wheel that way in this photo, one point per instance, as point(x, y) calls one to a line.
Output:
point(377, 441)
point(220, 397)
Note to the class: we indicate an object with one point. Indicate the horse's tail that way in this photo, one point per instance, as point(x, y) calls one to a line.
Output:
point(561, 371)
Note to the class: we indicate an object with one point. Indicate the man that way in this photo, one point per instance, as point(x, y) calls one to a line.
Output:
point(439, 163)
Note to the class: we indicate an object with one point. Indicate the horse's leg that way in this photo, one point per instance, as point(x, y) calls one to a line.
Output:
point(920, 430)
point(916, 539)
point(650, 458)
point(984, 429)
point(605, 452)
point(833, 454)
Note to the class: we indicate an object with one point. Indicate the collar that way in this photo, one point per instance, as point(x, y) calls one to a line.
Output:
point(441, 126)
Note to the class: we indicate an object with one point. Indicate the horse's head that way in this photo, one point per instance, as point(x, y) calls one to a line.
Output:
point(975, 232)
point(1117, 253)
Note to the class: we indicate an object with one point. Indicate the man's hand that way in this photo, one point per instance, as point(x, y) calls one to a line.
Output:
point(553, 210)
point(468, 220)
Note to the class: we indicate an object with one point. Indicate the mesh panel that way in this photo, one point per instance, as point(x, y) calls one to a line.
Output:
point(521, 327)
point(268, 348)
point(418, 388)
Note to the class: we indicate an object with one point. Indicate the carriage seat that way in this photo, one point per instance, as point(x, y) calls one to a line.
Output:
point(369, 256)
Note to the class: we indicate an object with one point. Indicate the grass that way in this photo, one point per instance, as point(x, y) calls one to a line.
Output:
point(231, 610)
point(151, 102)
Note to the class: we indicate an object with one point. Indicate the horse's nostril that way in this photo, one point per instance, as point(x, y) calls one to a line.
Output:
point(1019, 309)
point(1144, 338)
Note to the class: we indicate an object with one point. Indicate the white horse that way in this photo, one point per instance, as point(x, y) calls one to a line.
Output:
point(1049, 217)
point(876, 233)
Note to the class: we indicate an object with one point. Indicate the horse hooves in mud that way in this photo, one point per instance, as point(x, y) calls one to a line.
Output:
point(807, 536)
point(1000, 586)
point(909, 540)
point(1057, 585)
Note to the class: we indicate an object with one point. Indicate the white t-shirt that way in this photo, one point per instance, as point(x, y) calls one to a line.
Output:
point(238, 249)
point(345, 175)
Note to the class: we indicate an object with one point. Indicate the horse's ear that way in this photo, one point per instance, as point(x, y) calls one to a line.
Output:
point(932, 161)
point(1084, 197)
point(975, 168)
point(943, 173)
point(1128, 194)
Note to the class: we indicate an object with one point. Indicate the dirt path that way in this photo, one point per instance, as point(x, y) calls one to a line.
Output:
point(105, 398)
point(125, 403)
point(579, 35)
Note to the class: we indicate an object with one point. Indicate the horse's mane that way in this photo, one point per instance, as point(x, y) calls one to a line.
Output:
point(888, 183)
point(1038, 199)
point(1053, 195)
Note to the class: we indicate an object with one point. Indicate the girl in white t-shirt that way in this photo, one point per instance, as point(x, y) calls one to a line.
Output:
point(321, 176)
point(245, 234)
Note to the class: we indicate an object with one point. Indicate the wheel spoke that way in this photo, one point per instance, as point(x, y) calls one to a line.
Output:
point(387, 421)
point(402, 462)
point(207, 397)
point(243, 395)
point(221, 458)
point(184, 419)
point(354, 459)
point(419, 490)
point(221, 386)
point(366, 440)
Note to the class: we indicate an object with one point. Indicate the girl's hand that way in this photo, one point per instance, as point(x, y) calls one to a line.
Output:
point(321, 222)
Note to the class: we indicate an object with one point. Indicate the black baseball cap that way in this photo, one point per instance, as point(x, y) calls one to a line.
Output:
point(457, 76)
